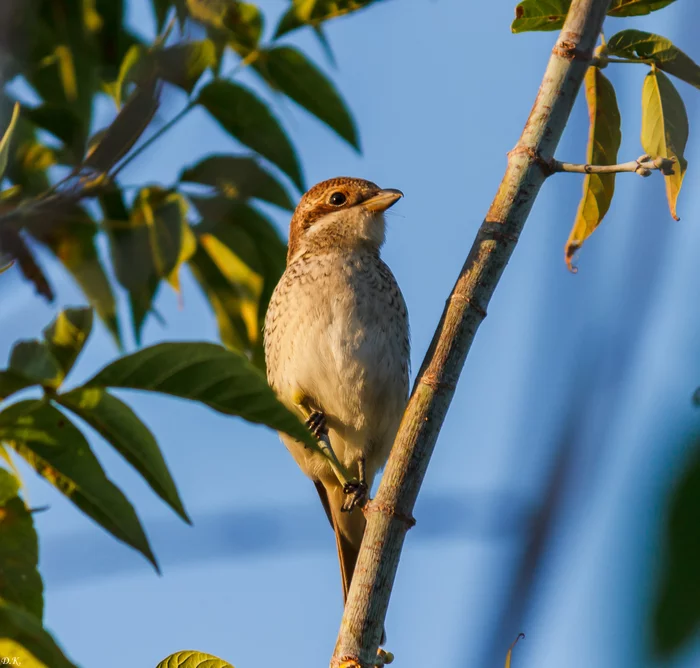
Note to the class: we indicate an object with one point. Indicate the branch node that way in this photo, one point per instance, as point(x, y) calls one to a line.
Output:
point(535, 158)
point(431, 380)
point(374, 507)
point(568, 48)
point(458, 297)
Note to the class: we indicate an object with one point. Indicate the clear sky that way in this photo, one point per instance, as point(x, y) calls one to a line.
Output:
point(604, 362)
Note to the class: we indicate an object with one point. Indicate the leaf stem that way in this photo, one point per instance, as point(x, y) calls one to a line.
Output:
point(644, 165)
point(633, 61)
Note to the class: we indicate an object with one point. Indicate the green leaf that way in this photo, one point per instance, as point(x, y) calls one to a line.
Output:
point(11, 382)
point(33, 360)
point(125, 130)
point(5, 142)
point(20, 582)
point(55, 448)
point(222, 379)
point(636, 7)
point(14, 246)
point(238, 177)
point(248, 119)
point(131, 438)
point(191, 659)
point(289, 71)
point(63, 123)
point(131, 58)
point(550, 14)
point(604, 139)
point(676, 617)
point(315, 12)
point(20, 629)
point(636, 44)
point(239, 23)
point(665, 129)
point(67, 334)
point(70, 236)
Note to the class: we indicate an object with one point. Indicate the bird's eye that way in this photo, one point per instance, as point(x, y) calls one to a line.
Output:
point(337, 199)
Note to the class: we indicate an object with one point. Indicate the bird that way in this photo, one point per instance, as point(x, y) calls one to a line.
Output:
point(336, 339)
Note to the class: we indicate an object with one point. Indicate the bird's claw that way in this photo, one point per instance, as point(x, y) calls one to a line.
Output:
point(316, 423)
point(356, 495)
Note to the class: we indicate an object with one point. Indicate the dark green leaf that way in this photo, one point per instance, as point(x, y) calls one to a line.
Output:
point(190, 659)
point(11, 382)
point(636, 7)
point(222, 379)
point(56, 449)
point(63, 123)
point(161, 9)
point(604, 139)
point(249, 120)
point(125, 129)
point(291, 72)
point(22, 629)
point(13, 246)
point(121, 427)
point(70, 235)
point(665, 130)
point(636, 44)
point(315, 12)
point(20, 582)
point(34, 361)
point(67, 334)
point(677, 605)
point(183, 64)
point(238, 177)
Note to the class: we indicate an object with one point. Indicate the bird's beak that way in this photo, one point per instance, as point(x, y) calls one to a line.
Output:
point(382, 200)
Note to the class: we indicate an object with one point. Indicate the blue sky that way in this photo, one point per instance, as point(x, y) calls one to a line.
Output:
point(605, 361)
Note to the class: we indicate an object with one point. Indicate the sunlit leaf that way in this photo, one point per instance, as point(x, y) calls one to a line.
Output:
point(19, 628)
point(550, 14)
point(315, 12)
point(238, 23)
point(665, 129)
point(676, 617)
point(20, 582)
point(67, 334)
point(291, 72)
point(604, 139)
point(33, 360)
point(249, 120)
point(120, 426)
point(222, 379)
point(56, 449)
point(239, 178)
point(5, 142)
point(636, 44)
point(191, 659)
point(131, 58)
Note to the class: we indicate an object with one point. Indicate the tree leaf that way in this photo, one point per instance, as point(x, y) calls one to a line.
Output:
point(5, 142)
point(239, 23)
point(191, 659)
point(550, 14)
point(70, 236)
point(676, 617)
point(248, 119)
point(604, 139)
point(20, 582)
point(289, 71)
point(636, 44)
point(11, 382)
point(63, 123)
point(54, 447)
point(20, 628)
point(222, 379)
point(131, 438)
point(14, 246)
point(665, 129)
point(67, 334)
point(33, 360)
point(238, 177)
point(315, 12)
point(125, 129)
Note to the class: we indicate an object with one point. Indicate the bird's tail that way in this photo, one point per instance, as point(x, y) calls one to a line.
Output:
point(348, 527)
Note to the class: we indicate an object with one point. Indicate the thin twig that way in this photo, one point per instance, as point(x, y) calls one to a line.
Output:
point(643, 165)
point(368, 598)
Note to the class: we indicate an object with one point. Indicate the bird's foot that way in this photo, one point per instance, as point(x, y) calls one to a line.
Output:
point(316, 423)
point(356, 495)
point(384, 658)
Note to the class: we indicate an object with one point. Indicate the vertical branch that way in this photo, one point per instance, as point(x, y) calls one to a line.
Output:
point(389, 515)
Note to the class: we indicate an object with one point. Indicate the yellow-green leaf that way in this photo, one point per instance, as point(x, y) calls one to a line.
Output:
point(6, 139)
point(604, 138)
point(636, 7)
point(637, 44)
point(665, 130)
point(191, 659)
point(315, 12)
point(67, 334)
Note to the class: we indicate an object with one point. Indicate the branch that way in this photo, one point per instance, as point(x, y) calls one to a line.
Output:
point(643, 166)
point(389, 515)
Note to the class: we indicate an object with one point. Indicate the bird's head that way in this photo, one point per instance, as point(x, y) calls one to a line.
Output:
point(341, 213)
